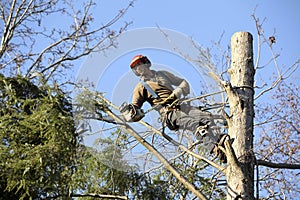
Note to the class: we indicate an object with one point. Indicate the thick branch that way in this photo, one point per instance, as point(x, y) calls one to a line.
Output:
point(100, 196)
point(185, 149)
point(278, 165)
point(231, 157)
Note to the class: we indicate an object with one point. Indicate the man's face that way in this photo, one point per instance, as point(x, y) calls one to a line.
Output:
point(142, 70)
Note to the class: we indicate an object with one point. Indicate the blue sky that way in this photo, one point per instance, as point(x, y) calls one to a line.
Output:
point(207, 20)
point(204, 21)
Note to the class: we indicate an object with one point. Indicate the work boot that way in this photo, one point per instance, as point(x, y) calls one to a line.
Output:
point(221, 143)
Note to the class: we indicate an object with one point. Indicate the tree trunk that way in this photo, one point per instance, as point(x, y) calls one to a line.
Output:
point(240, 170)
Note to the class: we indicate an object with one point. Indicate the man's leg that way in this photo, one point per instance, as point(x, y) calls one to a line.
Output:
point(213, 138)
point(196, 121)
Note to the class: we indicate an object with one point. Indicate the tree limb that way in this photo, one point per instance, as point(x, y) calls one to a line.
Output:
point(278, 165)
point(231, 157)
point(185, 149)
point(100, 196)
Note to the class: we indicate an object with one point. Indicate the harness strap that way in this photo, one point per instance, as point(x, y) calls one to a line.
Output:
point(164, 112)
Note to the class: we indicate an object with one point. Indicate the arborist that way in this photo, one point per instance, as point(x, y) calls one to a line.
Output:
point(163, 91)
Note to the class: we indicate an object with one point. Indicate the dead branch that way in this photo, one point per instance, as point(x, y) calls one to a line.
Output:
point(101, 196)
point(23, 30)
point(231, 157)
point(185, 149)
point(280, 75)
point(278, 165)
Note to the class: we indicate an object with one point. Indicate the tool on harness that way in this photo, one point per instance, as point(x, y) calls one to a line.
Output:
point(202, 130)
point(163, 108)
point(130, 113)
point(151, 91)
point(207, 137)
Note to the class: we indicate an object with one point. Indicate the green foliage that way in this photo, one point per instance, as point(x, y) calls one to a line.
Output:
point(105, 172)
point(42, 157)
point(38, 140)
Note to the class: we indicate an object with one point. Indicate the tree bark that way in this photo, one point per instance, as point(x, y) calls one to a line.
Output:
point(240, 170)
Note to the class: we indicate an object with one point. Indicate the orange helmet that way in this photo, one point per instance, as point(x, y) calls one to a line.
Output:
point(139, 60)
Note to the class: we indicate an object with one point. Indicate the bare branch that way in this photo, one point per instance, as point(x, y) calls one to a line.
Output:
point(152, 149)
point(101, 196)
point(278, 165)
point(22, 32)
point(185, 149)
point(280, 75)
point(231, 157)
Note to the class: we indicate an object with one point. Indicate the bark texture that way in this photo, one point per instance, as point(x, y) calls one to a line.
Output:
point(240, 170)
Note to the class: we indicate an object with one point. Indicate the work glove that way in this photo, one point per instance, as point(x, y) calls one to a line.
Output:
point(177, 92)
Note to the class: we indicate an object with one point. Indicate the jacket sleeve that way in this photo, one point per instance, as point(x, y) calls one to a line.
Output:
point(182, 86)
point(139, 95)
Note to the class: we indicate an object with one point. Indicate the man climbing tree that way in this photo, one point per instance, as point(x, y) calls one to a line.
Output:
point(156, 88)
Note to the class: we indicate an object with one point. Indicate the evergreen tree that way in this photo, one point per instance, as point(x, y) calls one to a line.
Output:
point(38, 140)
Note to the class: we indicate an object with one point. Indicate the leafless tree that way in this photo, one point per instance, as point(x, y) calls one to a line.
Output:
point(42, 40)
point(31, 46)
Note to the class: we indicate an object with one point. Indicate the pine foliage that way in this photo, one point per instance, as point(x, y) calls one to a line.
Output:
point(38, 140)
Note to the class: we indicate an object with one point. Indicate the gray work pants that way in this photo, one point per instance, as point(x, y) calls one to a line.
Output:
point(191, 120)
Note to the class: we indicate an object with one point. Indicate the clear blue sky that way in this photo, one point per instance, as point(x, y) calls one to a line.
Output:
point(207, 20)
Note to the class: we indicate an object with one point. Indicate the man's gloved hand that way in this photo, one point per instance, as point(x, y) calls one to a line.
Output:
point(174, 95)
point(177, 92)
point(130, 113)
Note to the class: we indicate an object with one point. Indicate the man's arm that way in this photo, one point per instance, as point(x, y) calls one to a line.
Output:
point(183, 87)
point(139, 96)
